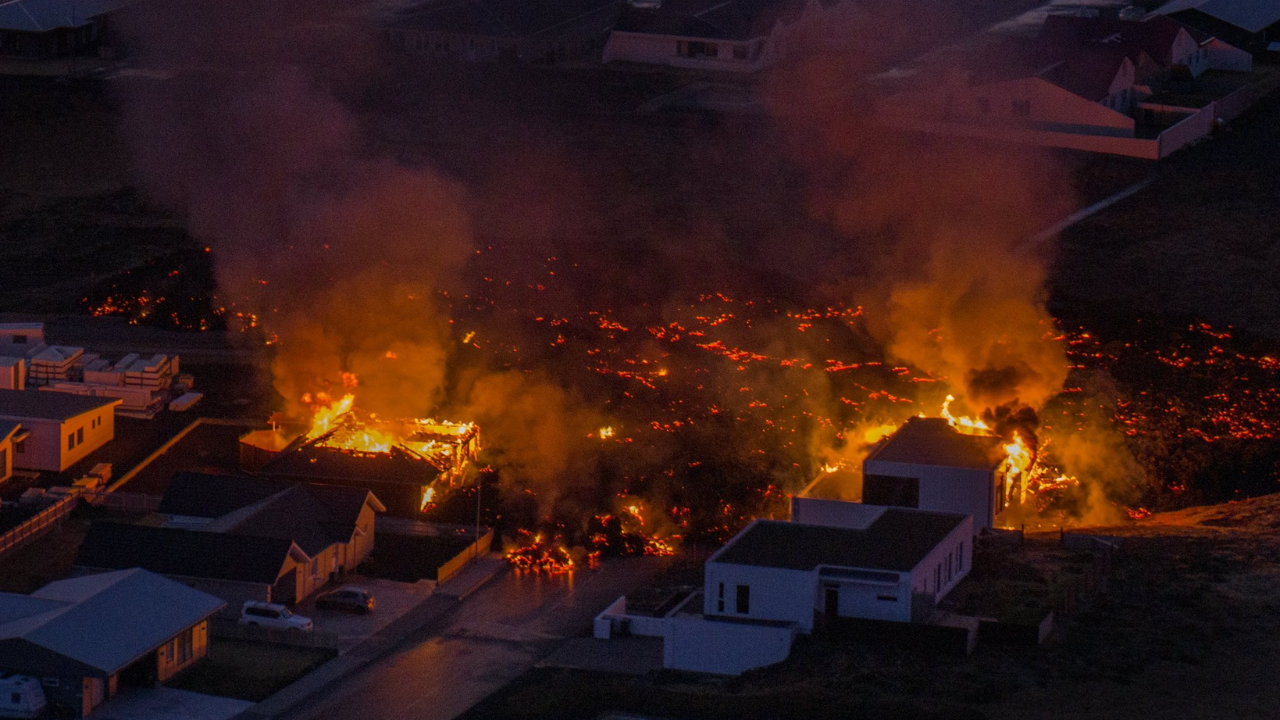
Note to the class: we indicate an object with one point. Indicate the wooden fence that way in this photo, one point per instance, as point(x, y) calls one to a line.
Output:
point(38, 524)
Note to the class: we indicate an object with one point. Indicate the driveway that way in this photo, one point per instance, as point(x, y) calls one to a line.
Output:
point(164, 703)
point(394, 599)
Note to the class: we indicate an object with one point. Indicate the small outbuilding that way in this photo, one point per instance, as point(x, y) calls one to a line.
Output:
point(61, 429)
point(84, 636)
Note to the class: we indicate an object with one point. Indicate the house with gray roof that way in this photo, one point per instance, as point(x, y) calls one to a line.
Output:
point(85, 636)
point(1247, 24)
point(243, 538)
point(58, 429)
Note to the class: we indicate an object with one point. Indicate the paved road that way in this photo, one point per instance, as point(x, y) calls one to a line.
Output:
point(492, 638)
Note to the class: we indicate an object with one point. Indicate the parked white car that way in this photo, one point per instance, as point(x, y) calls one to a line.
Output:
point(21, 696)
point(273, 616)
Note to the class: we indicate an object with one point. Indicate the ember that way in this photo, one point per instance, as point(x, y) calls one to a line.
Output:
point(539, 555)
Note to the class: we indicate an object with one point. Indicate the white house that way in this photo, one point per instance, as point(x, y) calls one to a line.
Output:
point(928, 464)
point(60, 429)
point(879, 564)
point(774, 580)
point(723, 35)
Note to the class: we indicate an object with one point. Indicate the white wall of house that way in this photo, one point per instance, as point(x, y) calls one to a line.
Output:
point(967, 491)
point(871, 595)
point(774, 594)
point(1222, 56)
point(57, 445)
point(833, 513)
point(722, 647)
point(1030, 102)
point(947, 564)
point(689, 52)
point(1186, 51)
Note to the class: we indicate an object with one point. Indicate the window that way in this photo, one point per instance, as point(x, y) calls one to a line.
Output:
point(694, 48)
point(887, 598)
point(20, 447)
point(984, 105)
point(20, 339)
point(739, 51)
point(186, 646)
point(1021, 108)
point(937, 577)
point(79, 436)
point(960, 558)
point(744, 599)
point(950, 562)
point(720, 600)
point(71, 441)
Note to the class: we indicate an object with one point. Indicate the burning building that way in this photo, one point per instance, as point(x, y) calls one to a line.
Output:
point(405, 462)
point(929, 464)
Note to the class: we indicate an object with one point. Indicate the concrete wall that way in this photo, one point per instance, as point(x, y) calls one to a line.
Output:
point(833, 513)
point(888, 598)
point(965, 491)
point(725, 648)
point(947, 564)
point(776, 593)
point(615, 620)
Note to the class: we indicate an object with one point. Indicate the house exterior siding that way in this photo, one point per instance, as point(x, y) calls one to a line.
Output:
point(50, 445)
point(774, 593)
point(967, 491)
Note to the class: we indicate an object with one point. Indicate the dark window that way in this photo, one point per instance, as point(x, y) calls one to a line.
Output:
point(744, 599)
point(960, 558)
point(937, 577)
point(71, 441)
point(984, 105)
point(185, 646)
point(1022, 108)
point(739, 52)
point(887, 598)
point(950, 562)
point(20, 447)
point(890, 490)
point(79, 436)
point(20, 340)
point(694, 48)
point(720, 600)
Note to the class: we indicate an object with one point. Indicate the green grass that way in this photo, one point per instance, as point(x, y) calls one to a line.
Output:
point(249, 671)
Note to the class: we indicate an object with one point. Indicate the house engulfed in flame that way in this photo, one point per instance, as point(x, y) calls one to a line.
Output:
point(407, 463)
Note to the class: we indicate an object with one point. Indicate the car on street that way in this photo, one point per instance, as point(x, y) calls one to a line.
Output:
point(347, 598)
point(273, 616)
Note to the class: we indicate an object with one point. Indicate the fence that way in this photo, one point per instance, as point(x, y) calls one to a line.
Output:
point(228, 629)
point(38, 524)
point(140, 502)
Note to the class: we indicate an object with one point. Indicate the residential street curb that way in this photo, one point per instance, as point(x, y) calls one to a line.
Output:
point(446, 598)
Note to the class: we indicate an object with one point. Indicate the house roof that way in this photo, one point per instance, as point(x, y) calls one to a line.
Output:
point(105, 621)
point(312, 462)
point(44, 15)
point(1154, 35)
point(1088, 71)
point(712, 19)
point(897, 541)
point(211, 496)
point(1251, 15)
point(932, 441)
point(184, 552)
point(512, 19)
point(46, 405)
point(313, 516)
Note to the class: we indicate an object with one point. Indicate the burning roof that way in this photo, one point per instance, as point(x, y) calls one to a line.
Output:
point(933, 441)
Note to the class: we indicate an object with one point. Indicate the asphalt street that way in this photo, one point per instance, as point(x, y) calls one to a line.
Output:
point(489, 640)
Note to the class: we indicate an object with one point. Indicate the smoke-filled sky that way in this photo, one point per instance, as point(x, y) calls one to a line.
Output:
point(345, 248)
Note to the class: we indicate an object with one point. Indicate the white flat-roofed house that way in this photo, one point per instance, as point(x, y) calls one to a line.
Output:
point(928, 464)
point(891, 564)
point(61, 429)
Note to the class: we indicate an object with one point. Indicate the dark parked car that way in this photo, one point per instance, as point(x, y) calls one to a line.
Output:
point(347, 599)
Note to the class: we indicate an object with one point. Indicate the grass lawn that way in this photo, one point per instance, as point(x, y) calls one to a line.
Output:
point(249, 671)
